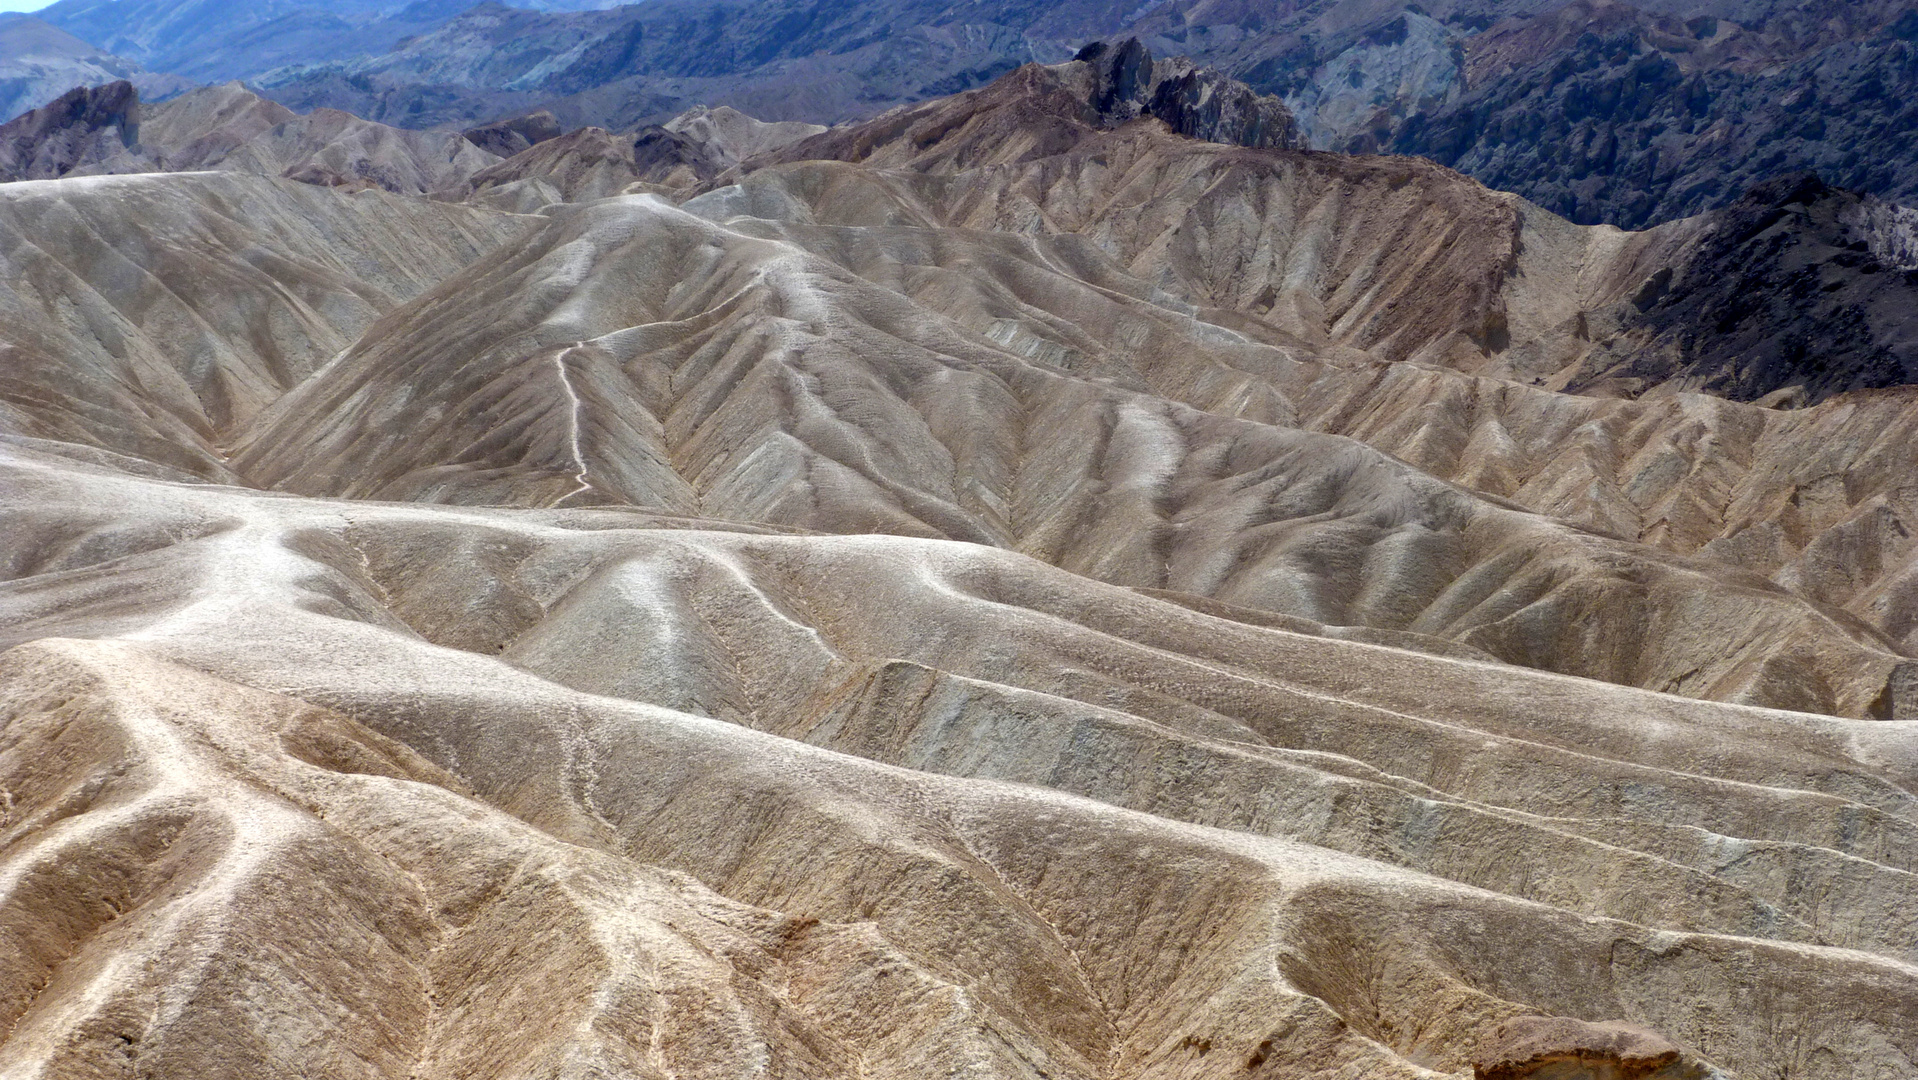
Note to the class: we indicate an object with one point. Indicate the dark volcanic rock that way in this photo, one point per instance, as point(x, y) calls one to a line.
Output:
point(1206, 105)
point(514, 134)
point(1609, 114)
point(1798, 287)
point(1193, 101)
point(54, 139)
point(1040, 111)
point(657, 151)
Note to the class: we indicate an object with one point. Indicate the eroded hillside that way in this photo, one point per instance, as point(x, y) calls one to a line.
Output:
point(1008, 588)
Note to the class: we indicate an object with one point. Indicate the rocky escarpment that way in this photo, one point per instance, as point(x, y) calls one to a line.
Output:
point(82, 126)
point(1042, 110)
point(1560, 1048)
point(1195, 102)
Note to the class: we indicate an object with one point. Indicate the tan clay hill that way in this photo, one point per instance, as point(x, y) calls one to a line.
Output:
point(1001, 591)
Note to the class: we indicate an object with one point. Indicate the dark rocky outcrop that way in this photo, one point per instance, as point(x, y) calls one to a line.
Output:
point(1043, 110)
point(1195, 102)
point(54, 139)
point(514, 134)
point(657, 150)
point(1799, 290)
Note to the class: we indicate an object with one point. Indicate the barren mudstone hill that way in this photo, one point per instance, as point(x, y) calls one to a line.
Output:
point(1053, 581)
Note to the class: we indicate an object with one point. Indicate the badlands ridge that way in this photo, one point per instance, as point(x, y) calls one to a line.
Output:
point(1047, 582)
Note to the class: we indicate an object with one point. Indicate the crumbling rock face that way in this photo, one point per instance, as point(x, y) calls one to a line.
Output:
point(1560, 1048)
point(1195, 102)
point(665, 154)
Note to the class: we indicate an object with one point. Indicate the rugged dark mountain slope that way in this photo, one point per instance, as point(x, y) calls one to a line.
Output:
point(82, 126)
point(1595, 109)
point(1630, 119)
point(1797, 288)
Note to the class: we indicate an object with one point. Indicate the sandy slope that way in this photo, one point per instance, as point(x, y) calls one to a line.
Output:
point(154, 316)
point(411, 791)
point(908, 380)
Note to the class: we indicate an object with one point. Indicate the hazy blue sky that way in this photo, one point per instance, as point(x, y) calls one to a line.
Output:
point(23, 5)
